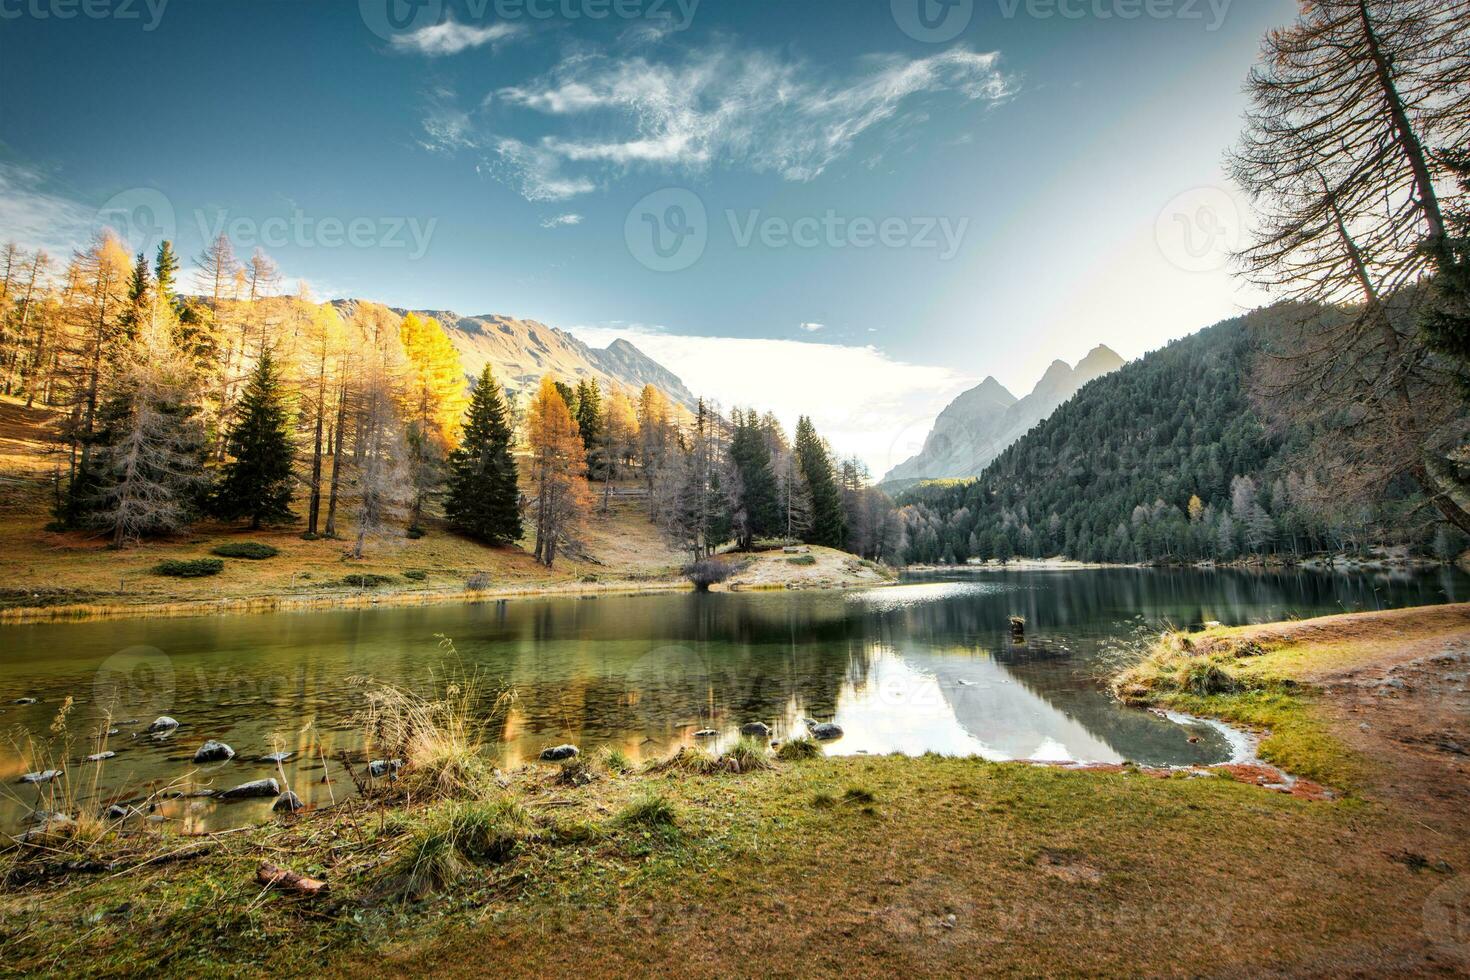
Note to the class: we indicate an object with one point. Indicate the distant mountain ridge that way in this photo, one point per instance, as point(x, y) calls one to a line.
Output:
point(984, 421)
point(522, 351)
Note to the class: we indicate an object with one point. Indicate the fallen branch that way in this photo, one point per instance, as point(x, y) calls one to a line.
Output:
point(272, 876)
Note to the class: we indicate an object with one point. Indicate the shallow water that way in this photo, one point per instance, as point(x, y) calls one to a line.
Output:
point(925, 666)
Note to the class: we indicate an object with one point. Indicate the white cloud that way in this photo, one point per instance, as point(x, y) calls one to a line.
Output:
point(866, 403)
point(561, 220)
point(33, 217)
point(813, 327)
point(449, 38)
point(759, 110)
point(534, 173)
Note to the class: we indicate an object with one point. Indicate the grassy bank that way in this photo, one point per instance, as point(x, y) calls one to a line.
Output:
point(820, 866)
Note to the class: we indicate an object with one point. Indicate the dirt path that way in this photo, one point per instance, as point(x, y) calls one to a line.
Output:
point(1401, 700)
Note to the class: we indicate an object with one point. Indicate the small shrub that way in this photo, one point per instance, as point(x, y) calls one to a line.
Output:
point(416, 575)
point(803, 560)
point(490, 831)
point(708, 572)
point(823, 800)
point(310, 536)
point(801, 747)
point(478, 582)
point(1205, 678)
point(414, 533)
point(652, 811)
point(857, 794)
point(746, 755)
point(688, 759)
point(189, 567)
point(366, 580)
point(253, 550)
point(614, 759)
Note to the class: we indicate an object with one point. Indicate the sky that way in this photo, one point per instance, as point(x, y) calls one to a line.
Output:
point(853, 209)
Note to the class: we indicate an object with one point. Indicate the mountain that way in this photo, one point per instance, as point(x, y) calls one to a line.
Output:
point(977, 426)
point(521, 351)
point(1164, 458)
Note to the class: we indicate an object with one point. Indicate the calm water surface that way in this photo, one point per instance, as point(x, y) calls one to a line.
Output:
point(924, 666)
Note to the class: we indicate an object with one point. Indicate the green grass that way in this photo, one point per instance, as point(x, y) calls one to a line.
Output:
point(653, 810)
point(803, 560)
point(366, 580)
point(801, 747)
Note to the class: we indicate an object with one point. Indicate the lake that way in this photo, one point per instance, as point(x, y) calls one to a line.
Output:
point(924, 666)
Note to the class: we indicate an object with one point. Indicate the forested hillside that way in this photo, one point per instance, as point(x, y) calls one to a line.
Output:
point(1163, 459)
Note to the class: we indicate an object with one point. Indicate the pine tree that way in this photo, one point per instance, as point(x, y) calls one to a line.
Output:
point(756, 512)
point(166, 272)
point(589, 418)
point(483, 499)
point(816, 467)
point(256, 482)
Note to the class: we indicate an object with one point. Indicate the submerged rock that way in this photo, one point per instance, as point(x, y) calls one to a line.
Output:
point(706, 733)
point(161, 724)
point(379, 768)
point(44, 776)
point(213, 751)
point(559, 753)
point(826, 731)
point(759, 729)
point(288, 802)
point(255, 788)
point(276, 757)
point(117, 812)
point(45, 816)
point(24, 701)
point(99, 756)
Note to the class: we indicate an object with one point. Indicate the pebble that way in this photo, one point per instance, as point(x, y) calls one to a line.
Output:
point(44, 776)
point(379, 768)
point(99, 756)
point(559, 753)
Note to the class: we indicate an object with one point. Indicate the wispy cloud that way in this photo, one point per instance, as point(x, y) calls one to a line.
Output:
point(866, 403)
point(33, 217)
point(762, 111)
point(561, 220)
point(813, 327)
point(449, 37)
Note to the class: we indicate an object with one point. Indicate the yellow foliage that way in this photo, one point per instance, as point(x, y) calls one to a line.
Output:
point(436, 392)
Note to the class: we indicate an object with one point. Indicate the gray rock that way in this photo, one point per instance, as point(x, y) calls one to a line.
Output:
point(44, 776)
point(757, 728)
point(706, 733)
point(826, 731)
point(117, 812)
point(288, 802)
point(213, 751)
point(99, 756)
point(559, 753)
point(255, 788)
point(379, 768)
point(45, 816)
point(24, 701)
point(163, 723)
point(276, 757)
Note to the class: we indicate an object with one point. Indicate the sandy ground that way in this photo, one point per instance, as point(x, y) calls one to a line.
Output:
point(810, 567)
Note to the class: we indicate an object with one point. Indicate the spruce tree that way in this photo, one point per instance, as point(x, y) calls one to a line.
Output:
point(165, 272)
point(256, 482)
point(816, 467)
point(751, 454)
point(589, 416)
point(484, 493)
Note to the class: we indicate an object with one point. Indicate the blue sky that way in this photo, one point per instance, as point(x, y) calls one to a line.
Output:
point(846, 199)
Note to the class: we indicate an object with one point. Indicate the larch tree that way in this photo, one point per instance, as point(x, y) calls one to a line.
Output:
point(255, 482)
point(434, 404)
point(1350, 219)
point(558, 472)
point(483, 495)
point(617, 441)
point(324, 347)
point(382, 485)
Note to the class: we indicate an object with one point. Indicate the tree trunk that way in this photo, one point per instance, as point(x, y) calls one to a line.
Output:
point(315, 506)
point(331, 528)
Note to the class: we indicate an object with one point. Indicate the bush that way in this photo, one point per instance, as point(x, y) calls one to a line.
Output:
point(414, 533)
point(803, 560)
point(707, 572)
point(189, 567)
point(416, 575)
point(366, 580)
point(478, 582)
point(614, 760)
point(652, 810)
point(747, 755)
point(253, 550)
point(801, 747)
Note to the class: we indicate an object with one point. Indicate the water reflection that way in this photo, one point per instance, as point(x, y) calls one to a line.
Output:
point(925, 666)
